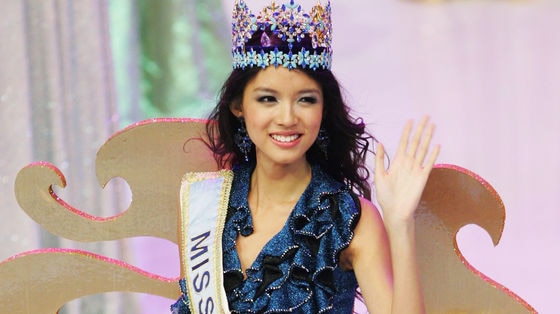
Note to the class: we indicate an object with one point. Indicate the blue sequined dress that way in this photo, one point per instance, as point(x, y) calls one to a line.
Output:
point(297, 271)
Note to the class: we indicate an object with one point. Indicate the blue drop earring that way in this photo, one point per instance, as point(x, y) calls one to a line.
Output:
point(242, 139)
point(323, 141)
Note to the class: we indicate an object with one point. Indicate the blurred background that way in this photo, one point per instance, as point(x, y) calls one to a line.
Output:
point(74, 72)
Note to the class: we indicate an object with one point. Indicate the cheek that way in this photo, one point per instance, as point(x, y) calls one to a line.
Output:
point(315, 119)
point(254, 124)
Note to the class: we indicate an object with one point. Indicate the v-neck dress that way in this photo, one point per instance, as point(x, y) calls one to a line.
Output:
point(298, 270)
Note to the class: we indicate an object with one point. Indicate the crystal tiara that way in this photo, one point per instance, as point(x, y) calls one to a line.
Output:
point(282, 36)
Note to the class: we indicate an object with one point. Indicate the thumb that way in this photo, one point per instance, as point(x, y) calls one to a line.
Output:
point(379, 160)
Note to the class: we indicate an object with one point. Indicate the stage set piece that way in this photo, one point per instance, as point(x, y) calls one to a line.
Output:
point(161, 160)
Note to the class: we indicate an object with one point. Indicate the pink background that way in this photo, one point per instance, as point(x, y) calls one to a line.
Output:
point(487, 73)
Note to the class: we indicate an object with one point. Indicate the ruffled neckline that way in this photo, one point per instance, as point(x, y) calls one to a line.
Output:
point(316, 222)
point(320, 184)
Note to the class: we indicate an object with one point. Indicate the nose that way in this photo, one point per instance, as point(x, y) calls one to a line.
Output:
point(286, 114)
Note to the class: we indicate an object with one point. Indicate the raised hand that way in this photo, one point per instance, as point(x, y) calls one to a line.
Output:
point(399, 188)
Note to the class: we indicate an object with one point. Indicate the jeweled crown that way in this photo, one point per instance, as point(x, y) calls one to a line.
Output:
point(282, 36)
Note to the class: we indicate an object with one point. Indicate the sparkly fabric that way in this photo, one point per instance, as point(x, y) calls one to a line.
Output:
point(285, 36)
point(297, 271)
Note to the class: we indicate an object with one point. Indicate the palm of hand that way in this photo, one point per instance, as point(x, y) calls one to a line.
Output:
point(399, 188)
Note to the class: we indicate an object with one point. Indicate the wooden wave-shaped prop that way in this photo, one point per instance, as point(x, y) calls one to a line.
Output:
point(455, 197)
point(42, 281)
point(152, 156)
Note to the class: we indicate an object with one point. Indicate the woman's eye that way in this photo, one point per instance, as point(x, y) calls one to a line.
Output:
point(266, 99)
point(310, 100)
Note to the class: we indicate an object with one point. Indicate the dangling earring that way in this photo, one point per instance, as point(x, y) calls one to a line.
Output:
point(323, 141)
point(242, 139)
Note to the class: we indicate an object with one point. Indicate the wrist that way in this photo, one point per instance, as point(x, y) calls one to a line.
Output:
point(400, 226)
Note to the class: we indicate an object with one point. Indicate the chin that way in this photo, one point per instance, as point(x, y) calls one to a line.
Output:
point(287, 160)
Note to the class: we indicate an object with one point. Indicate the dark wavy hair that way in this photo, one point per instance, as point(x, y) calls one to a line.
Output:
point(349, 141)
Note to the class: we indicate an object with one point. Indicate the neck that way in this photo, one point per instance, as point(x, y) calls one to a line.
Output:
point(280, 186)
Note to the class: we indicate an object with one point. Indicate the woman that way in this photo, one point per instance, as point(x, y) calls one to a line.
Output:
point(301, 233)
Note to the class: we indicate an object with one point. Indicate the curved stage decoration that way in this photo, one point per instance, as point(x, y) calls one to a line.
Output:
point(152, 156)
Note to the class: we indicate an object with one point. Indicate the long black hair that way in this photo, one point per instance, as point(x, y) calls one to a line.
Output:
point(349, 141)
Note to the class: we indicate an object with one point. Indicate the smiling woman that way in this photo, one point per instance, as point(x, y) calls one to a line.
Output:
point(301, 232)
point(396, 58)
point(282, 111)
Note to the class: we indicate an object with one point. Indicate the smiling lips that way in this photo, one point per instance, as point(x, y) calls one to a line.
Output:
point(285, 138)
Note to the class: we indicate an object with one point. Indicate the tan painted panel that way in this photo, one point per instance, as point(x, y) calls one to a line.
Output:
point(152, 156)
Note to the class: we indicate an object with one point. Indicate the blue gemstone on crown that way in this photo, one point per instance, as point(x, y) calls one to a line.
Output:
point(282, 36)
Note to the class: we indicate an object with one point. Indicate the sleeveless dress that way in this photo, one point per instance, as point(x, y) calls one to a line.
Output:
point(297, 271)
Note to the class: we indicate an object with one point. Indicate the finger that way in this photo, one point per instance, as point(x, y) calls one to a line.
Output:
point(425, 144)
point(412, 150)
point(379, 160)
point(404, 138)
point(432, 158)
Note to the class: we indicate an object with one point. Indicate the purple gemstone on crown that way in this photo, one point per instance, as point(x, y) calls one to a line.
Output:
point(301, 32)
point(265, 40)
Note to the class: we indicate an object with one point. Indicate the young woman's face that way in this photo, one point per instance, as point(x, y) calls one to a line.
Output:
point(283, 110)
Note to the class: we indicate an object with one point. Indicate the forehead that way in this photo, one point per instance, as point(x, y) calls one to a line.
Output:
point(281, 79)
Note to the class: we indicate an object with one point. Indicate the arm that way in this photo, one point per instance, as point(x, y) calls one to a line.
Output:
point(383, 252)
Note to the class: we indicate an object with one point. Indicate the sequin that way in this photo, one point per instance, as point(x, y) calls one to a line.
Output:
point(297, 270)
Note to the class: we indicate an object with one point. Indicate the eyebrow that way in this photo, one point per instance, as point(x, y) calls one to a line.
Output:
point(312, 90)
point(270, 90)
point(264, 89)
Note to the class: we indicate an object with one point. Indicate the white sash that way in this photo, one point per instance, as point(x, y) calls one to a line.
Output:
point(204, 202)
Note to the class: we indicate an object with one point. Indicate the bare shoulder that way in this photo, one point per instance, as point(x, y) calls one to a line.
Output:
point(370, 227)
point(369, 236)
point(370, 214)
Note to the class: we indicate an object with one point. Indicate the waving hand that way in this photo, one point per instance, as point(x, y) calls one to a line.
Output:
point(399, 188)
